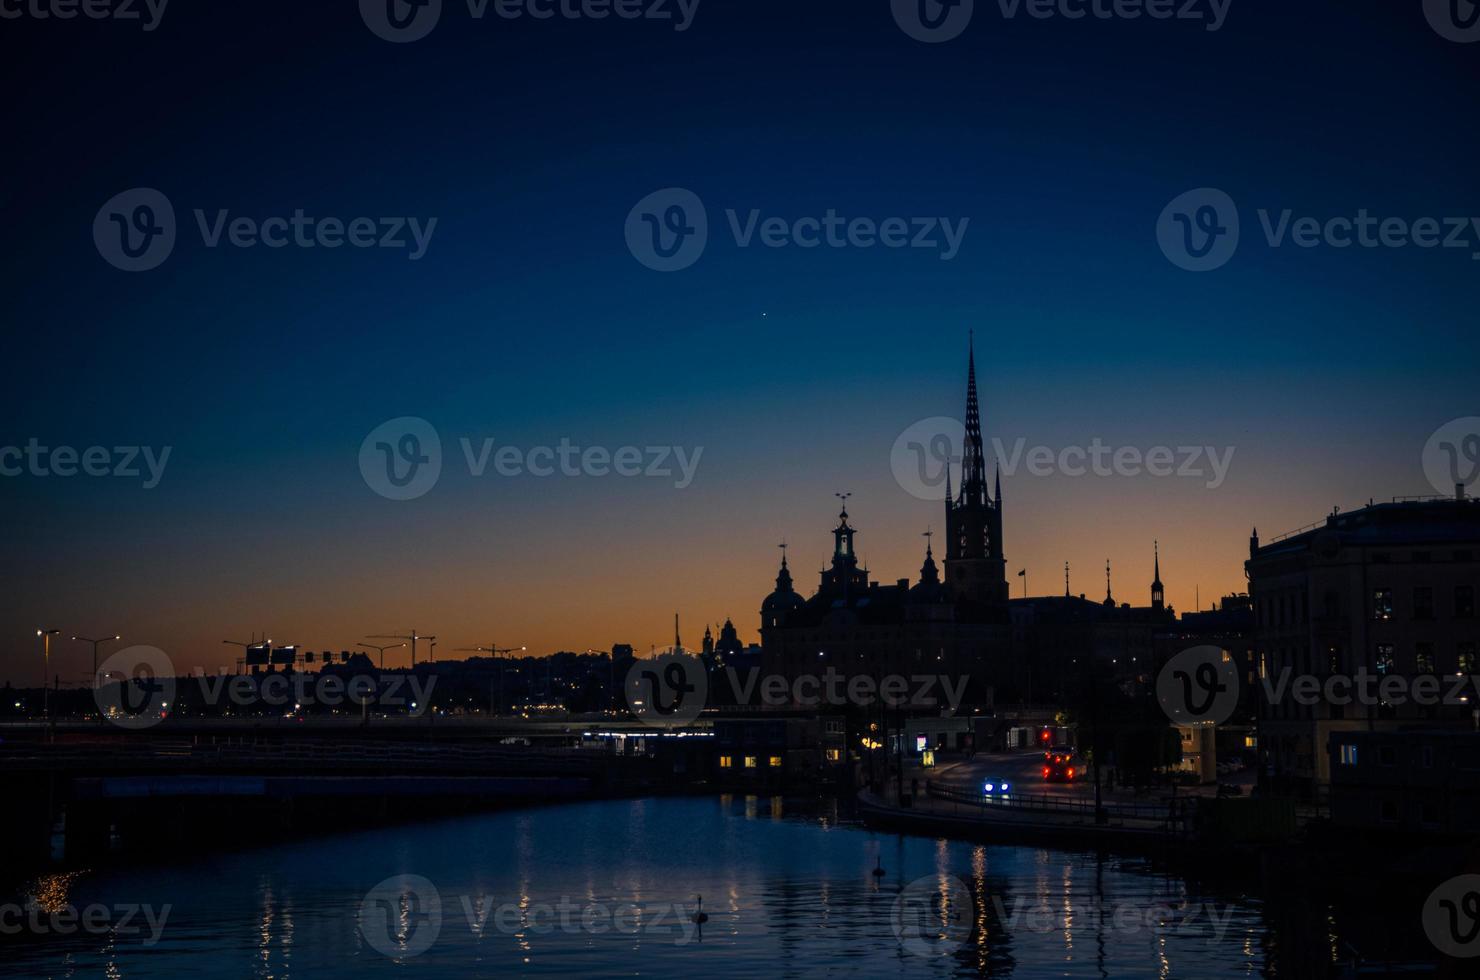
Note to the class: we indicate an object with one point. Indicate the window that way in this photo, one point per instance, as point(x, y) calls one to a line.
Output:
point(775, 762)
point(750, 762)
point(1382, 604)
point(725, 761)
point(1348, 754)
point(1333, 659)
point(834, 755)
point(1423, 602)
point(1385, 658)
point(1464, 602)
point(1423, 657)
point(1466, 657)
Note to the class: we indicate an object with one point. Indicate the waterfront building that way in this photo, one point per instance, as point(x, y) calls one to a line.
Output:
point(1387, 590)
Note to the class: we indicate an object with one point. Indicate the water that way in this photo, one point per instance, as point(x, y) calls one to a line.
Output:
point(534, 893)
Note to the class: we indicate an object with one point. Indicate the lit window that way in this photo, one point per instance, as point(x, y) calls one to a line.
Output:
point(1348, 754)
point(834, 755)
point(775, 762)
point(1467, 658)
point(1385, 658)
point(1423, 655)
point(750, 762)
point(726, 761)
point(1382, 604)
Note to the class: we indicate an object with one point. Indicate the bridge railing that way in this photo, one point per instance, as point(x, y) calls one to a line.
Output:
point(1161, 813)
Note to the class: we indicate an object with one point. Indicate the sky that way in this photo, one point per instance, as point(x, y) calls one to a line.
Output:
point(784, 374)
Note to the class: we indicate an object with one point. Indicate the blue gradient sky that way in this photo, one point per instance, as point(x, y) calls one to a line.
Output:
point(528, 320)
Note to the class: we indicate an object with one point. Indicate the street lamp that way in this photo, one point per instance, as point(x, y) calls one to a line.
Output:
point(46, 636)
point(382, 650)
point(96, 644)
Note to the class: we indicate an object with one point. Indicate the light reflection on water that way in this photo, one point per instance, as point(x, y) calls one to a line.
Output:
point(790, 897)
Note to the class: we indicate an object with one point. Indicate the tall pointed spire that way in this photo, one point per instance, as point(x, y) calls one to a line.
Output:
point(1109, 599)
point(1158, 593)
point(973, 460)
point(1066, 580)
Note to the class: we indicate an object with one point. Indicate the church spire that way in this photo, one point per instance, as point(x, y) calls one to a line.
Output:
point(1158, 594)
point(1109, 600)
point(973, 460)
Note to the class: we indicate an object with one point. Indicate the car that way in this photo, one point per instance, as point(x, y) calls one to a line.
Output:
point(1060, 767)
point(996, 787)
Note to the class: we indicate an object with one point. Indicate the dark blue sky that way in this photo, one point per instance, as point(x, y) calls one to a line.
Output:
point(528, 319)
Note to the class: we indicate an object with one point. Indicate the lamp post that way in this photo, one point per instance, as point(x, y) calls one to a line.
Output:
point(46, 636)
point(382, 649)
point(95, 645)
point(410, 635)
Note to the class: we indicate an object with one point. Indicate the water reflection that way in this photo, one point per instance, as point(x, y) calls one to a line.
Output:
point(789, 889)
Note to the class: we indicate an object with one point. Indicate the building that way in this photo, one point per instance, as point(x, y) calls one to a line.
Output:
point(1417, 781)
point(1056, 638)
point(956, 625)
point(1386, 590)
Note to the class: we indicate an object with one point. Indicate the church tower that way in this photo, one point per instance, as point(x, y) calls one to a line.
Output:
point(975, 566)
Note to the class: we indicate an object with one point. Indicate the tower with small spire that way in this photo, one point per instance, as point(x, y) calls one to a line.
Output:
point(844, 576)
point(1109, 599)
point(976, 568)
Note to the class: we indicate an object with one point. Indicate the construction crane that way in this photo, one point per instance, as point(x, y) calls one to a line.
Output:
point(411, 635)
point(381, 650)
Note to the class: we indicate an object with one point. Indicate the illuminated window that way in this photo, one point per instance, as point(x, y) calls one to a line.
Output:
point(775, 762)
point(1348, 755)
point(750, 762)
point(1385, 658)
point(834, 755)
point(1423, 654)
point(726, 761)
point(1382, 604)
point(1467, 658)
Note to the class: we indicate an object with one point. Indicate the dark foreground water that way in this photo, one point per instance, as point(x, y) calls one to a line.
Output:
point(610, 889)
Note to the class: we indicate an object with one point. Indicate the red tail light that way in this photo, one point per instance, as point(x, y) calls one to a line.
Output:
point(1071, 772)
